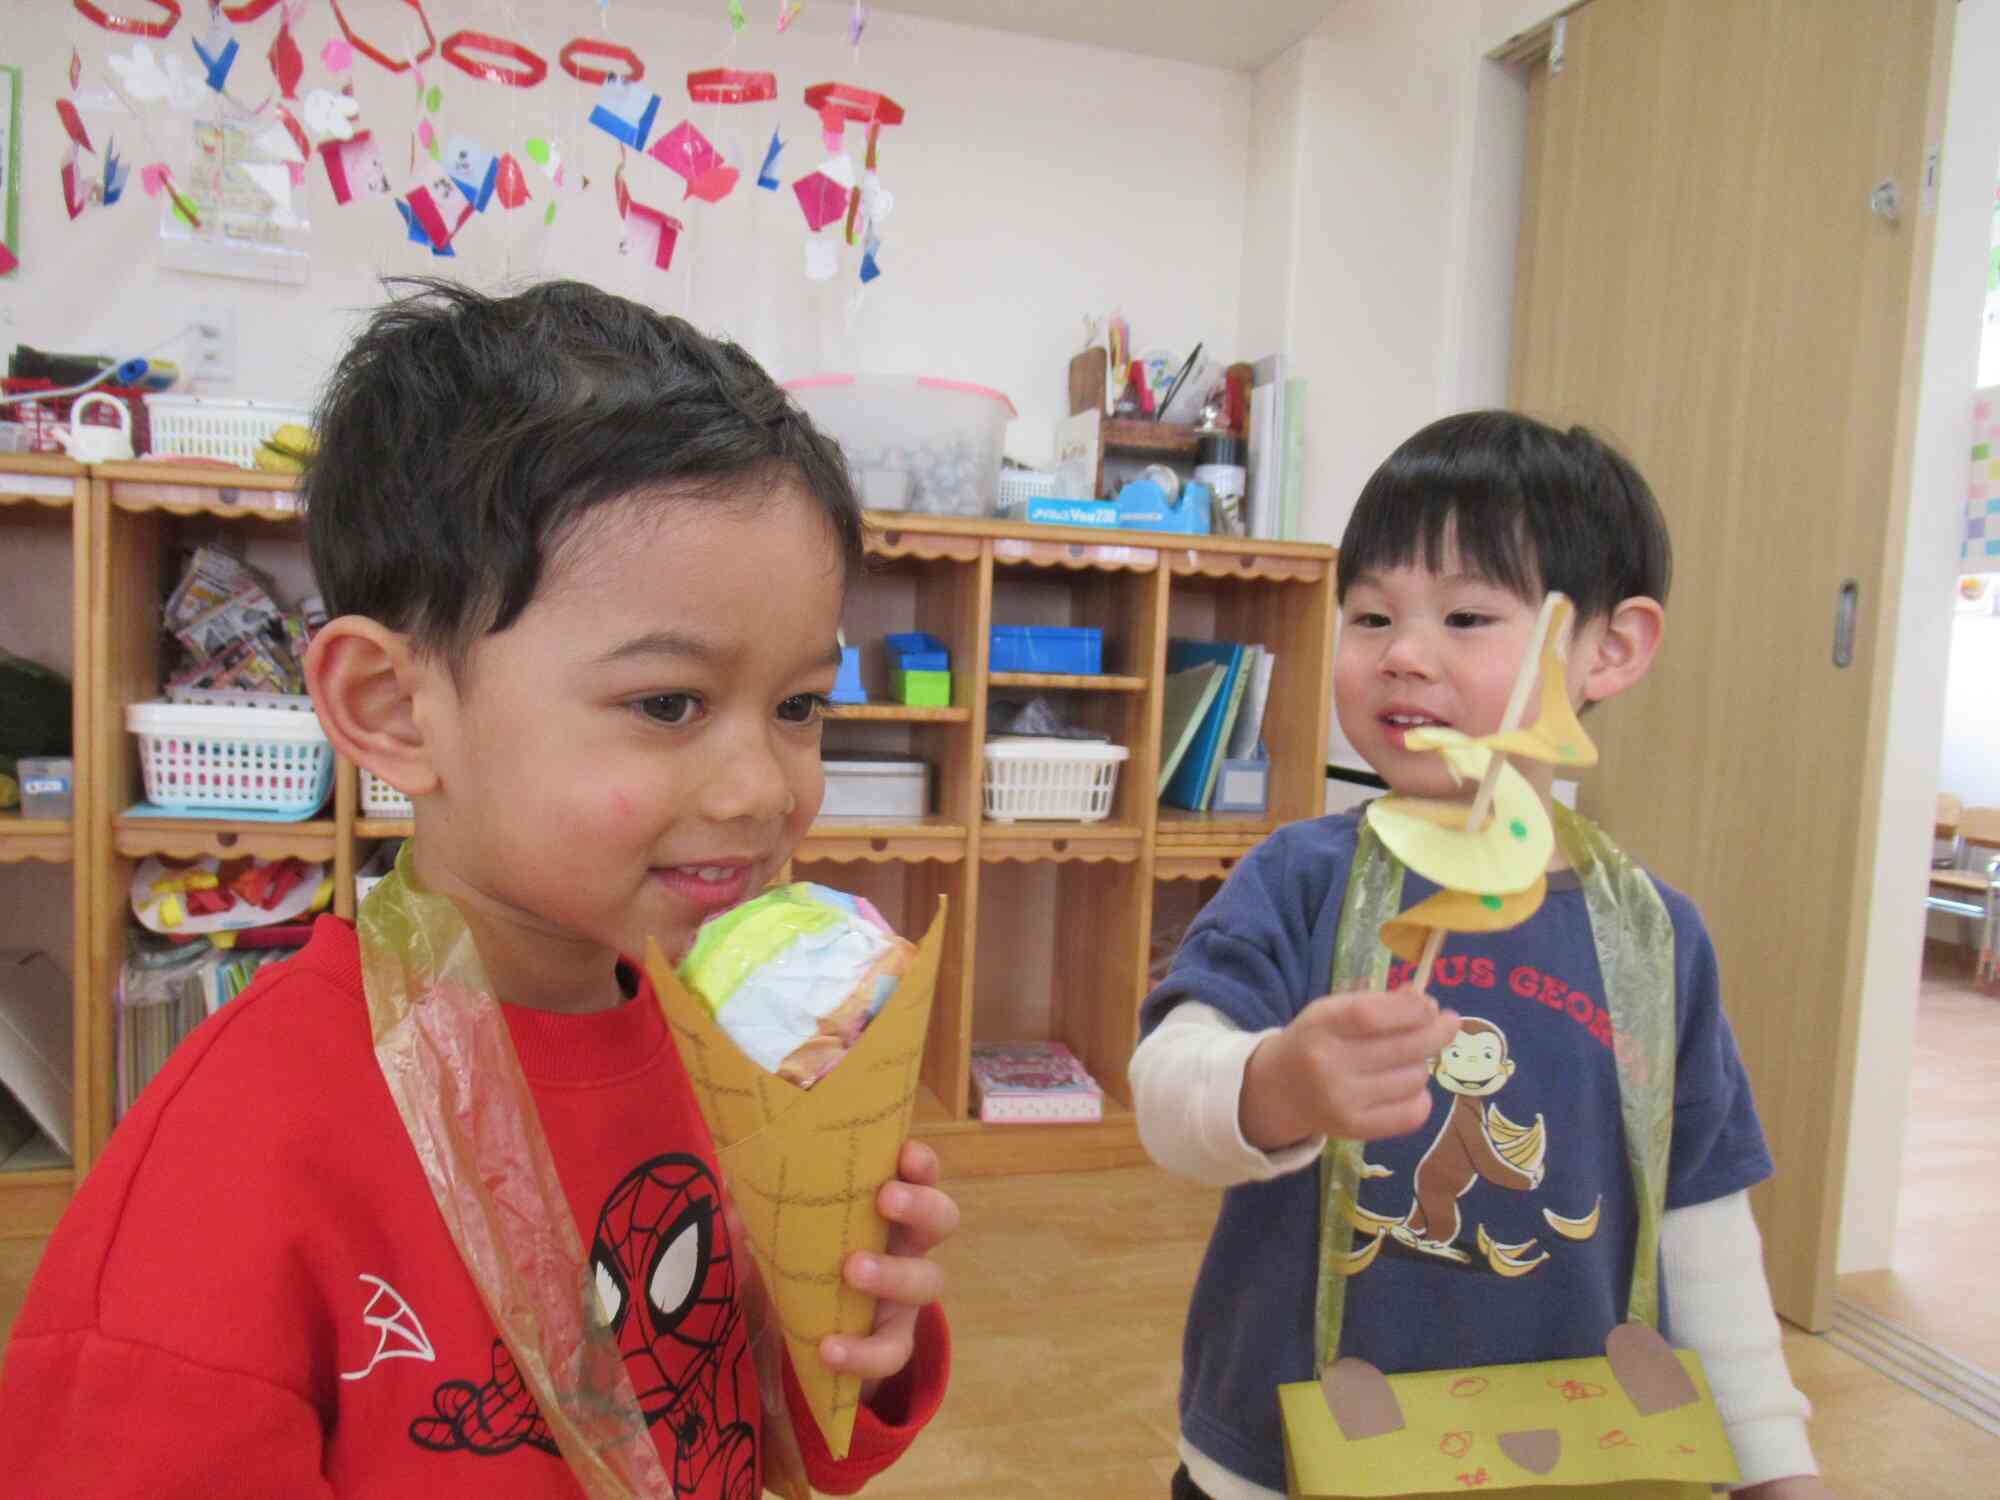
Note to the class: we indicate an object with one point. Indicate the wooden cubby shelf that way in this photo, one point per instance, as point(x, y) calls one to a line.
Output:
point(1048, 923)
point(1097, 682)
point(50, 840)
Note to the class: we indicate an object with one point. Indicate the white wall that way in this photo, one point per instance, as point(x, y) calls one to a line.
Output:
point(1035, 183)
point(1969, 765)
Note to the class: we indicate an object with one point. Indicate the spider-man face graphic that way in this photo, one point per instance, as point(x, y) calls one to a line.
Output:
point(664, 1273)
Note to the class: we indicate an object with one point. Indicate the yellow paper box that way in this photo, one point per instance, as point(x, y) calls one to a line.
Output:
point(805, 1165)
point(1555, 1430)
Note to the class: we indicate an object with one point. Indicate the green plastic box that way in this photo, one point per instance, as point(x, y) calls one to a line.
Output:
point(922, 689)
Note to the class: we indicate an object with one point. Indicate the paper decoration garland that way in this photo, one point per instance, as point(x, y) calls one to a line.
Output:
point(1488, 860)
point(249, 10)
point(455, 47)
point(731, 86)
point(368, 50)
point(126, 24)
point(583, 46)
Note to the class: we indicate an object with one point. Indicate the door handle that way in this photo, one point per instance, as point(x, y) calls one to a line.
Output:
point(1845, 608)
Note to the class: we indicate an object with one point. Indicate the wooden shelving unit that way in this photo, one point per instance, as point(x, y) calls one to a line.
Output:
point(952, 577)
point(43, 503)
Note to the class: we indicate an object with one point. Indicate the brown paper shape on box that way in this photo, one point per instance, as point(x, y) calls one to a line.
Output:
point(804, 1166)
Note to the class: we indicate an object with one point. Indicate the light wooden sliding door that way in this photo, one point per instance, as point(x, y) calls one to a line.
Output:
point(1709, 276)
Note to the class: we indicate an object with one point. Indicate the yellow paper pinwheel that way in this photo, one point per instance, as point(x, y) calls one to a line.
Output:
point(1487, 857)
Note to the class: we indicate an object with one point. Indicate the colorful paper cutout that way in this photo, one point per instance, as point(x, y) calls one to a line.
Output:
point(154, 28)
point(713, 185)
point(788, 12)
point(116, 174)
point(529, 69)
point(72, 124)
point(475, 169)
point(337, 56)
point(287, 66)
point(375, 54)
point(439, 208)
point(857, 22)
point(331, 114)
point(9, 262)
point(631, 68)
point(863, 106)
point(75, 69)
point(821, 199)
point(354, 168)
point(686, 152)
point(76, 197)
point(149, 79)
point(417, 234)
point(511, 184)
point(274, 181)
point(737, 20)
point(870, 266)
point(731, 86)
point(650, 234)
point(625, 111)
point(766, 177)
point(217, 62)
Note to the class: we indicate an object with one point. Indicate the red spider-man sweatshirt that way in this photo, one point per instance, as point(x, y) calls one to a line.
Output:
point(254, 1293)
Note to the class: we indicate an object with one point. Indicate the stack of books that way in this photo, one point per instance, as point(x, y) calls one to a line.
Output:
point(1032, 1083)
point(1214, 713)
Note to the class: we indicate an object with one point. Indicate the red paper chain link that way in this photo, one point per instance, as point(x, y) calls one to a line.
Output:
point(394, 65)
point(731, 86)
point(249, 10)
point(454, 47)
point(632, 72)
point(126, 24)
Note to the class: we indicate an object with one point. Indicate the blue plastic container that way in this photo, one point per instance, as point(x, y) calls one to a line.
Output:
point(1068, 650)
point(917, 651)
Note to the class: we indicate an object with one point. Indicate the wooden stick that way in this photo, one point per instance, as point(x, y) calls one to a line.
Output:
point(1482, 802)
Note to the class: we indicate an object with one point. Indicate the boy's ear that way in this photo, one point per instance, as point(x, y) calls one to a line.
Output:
point(1624, 648)
point(364, 679)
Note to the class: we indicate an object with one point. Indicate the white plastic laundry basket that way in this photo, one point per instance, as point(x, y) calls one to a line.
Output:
point(1030, 776)
point(211, 427)
point(380, 800)
point(206, 759)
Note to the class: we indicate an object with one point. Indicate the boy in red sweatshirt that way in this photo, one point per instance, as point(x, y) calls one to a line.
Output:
point(585, 568)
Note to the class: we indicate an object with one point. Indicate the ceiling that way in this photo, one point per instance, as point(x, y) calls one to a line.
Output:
point(1239, 34)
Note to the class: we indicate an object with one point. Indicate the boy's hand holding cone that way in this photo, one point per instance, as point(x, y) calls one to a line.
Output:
point(818, 1173)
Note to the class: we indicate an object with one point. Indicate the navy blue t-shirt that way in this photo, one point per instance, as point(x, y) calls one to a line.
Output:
point(1434, 1297)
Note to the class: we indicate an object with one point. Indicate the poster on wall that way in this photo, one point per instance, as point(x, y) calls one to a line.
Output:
point(10, 168)
point(246, 221)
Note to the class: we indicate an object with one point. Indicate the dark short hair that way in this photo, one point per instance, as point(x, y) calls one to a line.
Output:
point(1527, 506)
point(462, 436)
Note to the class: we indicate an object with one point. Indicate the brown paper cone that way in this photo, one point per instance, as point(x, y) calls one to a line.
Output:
point(805, 1165)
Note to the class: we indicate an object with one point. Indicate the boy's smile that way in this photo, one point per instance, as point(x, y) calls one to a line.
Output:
point(1419, 649)
point(641, 748)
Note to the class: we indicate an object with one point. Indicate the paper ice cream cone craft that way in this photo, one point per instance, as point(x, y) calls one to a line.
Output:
point(804, 1164)
point(1487, 858)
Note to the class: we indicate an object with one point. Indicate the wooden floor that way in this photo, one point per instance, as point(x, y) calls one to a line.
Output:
point(1068, 1293)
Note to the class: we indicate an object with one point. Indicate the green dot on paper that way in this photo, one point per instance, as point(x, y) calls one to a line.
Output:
point(1491, 903)
point(1518, 829)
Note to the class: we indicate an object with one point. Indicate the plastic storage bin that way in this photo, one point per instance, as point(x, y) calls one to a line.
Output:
point(1032, 777)
point(1071, 650)
point(875, 784)
point(48, 786)
point(914, 443)
point(380, 800)
point(210, 427)
point(272, 762)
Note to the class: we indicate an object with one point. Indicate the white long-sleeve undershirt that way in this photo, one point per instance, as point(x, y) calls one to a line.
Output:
point(1187, 1086)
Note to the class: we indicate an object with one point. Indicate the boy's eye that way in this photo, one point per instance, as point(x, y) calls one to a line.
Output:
point(802, 708)
point(1368, 619)
point(1467, 619)
point(669, 708)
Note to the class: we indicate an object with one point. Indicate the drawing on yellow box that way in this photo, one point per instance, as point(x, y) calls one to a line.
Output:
point(1477, 1143)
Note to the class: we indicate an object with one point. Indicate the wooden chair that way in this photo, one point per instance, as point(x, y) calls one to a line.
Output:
point(1970, 892)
